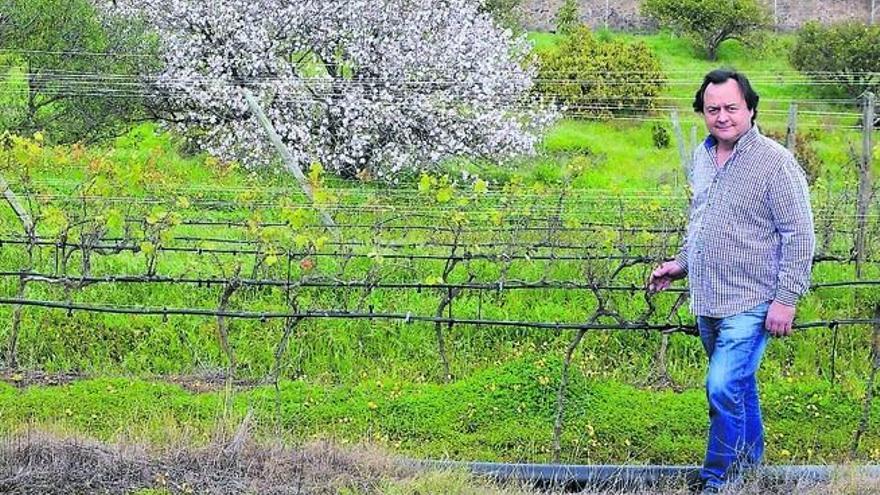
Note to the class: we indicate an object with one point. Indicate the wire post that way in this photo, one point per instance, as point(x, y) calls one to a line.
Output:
point(791, 130)
point(607, 12)
point(776, 15)
point(682, 152)
point(865, 180)
point(289, 162)
point(19, 210)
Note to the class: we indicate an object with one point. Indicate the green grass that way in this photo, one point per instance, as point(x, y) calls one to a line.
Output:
point(504, 413)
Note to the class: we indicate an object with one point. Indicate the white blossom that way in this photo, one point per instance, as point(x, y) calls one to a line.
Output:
point(391, 86)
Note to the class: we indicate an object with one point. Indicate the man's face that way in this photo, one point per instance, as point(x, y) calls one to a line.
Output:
point(724, 108)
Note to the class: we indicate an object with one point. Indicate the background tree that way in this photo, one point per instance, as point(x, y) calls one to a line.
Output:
point(593, 77)
point(708, 24)
point(567, 17)
point(367, 88)
point(847, 53)
point(506, 13)
point(69, 72)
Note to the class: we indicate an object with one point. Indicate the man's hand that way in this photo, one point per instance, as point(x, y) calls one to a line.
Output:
point(779, 318)
point(663, 275)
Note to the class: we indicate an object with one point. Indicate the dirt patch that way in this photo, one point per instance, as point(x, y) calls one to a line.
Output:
point(209, 382)
point(196, 382)
point(29, 378)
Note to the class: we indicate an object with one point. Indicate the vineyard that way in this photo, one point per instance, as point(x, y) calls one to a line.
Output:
point(333, 247)
point(106, 268)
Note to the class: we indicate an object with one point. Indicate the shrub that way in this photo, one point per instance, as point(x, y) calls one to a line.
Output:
point(804, 152)
point(600, 78)
point(708, 24)
point(660, 136)
point(847, 53)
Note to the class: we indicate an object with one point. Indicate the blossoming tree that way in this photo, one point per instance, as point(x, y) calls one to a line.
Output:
point(369, 88)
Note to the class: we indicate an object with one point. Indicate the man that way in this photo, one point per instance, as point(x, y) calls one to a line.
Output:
point(748, 254)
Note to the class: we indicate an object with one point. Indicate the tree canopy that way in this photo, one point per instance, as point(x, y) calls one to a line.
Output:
point(68, 71)
point(708, 24)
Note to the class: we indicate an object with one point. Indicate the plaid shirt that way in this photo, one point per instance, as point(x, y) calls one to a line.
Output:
point(750, 236)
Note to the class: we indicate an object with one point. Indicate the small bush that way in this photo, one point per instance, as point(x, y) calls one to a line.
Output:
point(847, 53)
point(708, 24)
point(660, 136)
point(804, 152)
point(590, 77)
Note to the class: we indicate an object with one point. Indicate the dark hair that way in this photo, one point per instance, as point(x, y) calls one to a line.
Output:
point(719, 76)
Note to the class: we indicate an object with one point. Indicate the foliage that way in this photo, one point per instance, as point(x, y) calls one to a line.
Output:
point(343, 84)
point(804, 152)
point(506, 13)
point(660, 136)
point(57, 50)
point(708, 24)
point(591, 77)
point(847, 54)
point(567, 17)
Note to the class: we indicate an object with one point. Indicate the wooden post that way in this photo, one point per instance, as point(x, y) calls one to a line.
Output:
point(682, 145)
point(776, 15)
point(791, 130)
point(607, 8)
point(865, 180)
point(22, 214)
point(289, 162)
point(872, 379)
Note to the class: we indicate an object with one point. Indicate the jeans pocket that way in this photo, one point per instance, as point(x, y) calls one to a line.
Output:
point(748, 324)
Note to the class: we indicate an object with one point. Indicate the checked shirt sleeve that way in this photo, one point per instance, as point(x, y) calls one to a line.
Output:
point(682, 257)
point(789, 201)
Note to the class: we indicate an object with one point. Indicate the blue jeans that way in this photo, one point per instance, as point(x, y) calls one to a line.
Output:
point(735, 345)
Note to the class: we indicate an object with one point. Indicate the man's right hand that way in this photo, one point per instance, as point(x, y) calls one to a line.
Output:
point(663, 275)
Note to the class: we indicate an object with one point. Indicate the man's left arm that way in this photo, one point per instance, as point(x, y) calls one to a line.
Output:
point(789, 200)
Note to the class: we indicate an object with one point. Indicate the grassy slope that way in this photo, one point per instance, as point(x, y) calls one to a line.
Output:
point(505, 413)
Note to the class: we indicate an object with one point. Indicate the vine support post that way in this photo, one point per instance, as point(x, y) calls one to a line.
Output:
point(19, 210)
point(31, 234)
point(791, 128)
point(871, 383)
point(865, 181)
point(288, 160)
point(682, 145)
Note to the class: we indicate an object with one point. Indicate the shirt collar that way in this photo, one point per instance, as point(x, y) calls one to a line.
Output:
point(743, 142)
